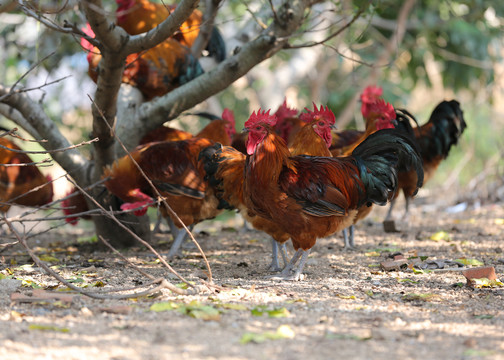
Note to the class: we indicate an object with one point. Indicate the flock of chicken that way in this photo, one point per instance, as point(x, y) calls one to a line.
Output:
point(289, 174)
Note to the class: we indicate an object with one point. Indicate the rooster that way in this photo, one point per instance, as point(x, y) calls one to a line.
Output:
point(24, 184)
point(225, 166)
point(311, 197)
point(435, 139)
point(155, 71)
point(178, 175)
point(139, 16)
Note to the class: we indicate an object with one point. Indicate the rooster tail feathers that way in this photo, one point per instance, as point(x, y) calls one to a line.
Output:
point(448, 124)
point(379, 157)
point(216, 46)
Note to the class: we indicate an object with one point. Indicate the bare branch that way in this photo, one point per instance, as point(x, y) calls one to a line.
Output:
point(333, 35)
point(15, 116)
point(51, 151)
point(28, 10)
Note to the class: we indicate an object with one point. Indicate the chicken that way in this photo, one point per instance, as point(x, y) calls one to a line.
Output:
point(178, 175)
point(73, 206)
point(435, 139)
point(312, 197)
point(219, 129)
point(24, 184)
point(139, 16)
point(225, 166)
point(155, 71)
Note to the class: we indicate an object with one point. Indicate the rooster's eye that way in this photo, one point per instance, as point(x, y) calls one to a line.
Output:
point(258, 128)
point(321, 123)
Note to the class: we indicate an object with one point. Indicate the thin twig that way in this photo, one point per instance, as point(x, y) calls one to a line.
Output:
point(50, 151)
point(159, 196)
point(339, 31)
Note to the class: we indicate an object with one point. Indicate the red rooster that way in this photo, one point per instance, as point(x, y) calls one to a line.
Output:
point(312, 197)
point(18, 183)
point(225, 170)
point(139, 16)
point(178, 175)
point(435, 139)
point(154, 72)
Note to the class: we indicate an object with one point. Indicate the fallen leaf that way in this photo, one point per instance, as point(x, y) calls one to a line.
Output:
point(87, 239)
point(232, 306)
point(485, 283)
point(200, 311)
point(390, 265)
point(421, 297)
point(283, 332)
point(48, 258)
point(163, 306)
point(348, 297)
point(484, 316)
point(409, 281)
point(275, 313)
point(440, 235)
point(472, 262)
point(48, 328)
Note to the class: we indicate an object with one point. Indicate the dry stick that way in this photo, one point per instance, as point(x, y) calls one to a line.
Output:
point(168, 207)
point(50, 151)
point(145, 243)
point(163, 284)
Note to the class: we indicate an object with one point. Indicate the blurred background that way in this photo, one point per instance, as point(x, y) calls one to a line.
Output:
point(442, 50)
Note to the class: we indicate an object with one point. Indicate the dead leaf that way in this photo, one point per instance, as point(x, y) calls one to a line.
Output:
point(440, 236)
point(390, 265)
point(48, 328)
point(283, 332)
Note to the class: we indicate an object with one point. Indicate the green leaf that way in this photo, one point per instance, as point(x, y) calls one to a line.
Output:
point(200, 311)
point(232, 306)
point(87, 239)
point(421, 297)
point(30, 283)
point(48, 328)
point(440, 235)
point(283, 332)
point(75, 279)
point(484, 316)
point(348, 297)
point(163, 306)
point(275, 313)
point(486, 283)
point(471, 262)
point(48, 258)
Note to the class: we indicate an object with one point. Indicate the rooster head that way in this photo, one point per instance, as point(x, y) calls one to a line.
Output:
point(258, 126)
point(322, 120)
point(285, 112)
point(369, 96)
point(384, 114)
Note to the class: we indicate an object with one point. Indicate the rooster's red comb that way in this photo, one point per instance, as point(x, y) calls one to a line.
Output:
point(384, 109)
point(228, 115)
point(322, 113)
point(261, 117)
point(371, 94)
point(284, 111)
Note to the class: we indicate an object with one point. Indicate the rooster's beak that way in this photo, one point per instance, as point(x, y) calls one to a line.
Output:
point(245, 130)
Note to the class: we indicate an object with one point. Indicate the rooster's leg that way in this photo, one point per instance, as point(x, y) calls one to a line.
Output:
point(346, 242)
point(179, 239)
point(389, 214)
point(285, 254)
point(351, 237)
point(274, 266)
point(296, 276)
point(173, 229)
point(406, 210)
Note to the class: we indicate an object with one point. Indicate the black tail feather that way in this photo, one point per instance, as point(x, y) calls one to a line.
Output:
point(379, 157)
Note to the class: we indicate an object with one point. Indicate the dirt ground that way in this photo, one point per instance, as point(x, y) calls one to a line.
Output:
point(346, 307)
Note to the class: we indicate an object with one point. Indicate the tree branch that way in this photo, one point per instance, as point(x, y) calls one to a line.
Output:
point(72, 160)
point(164, 30)
point(154, 113)
point(205, 30)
